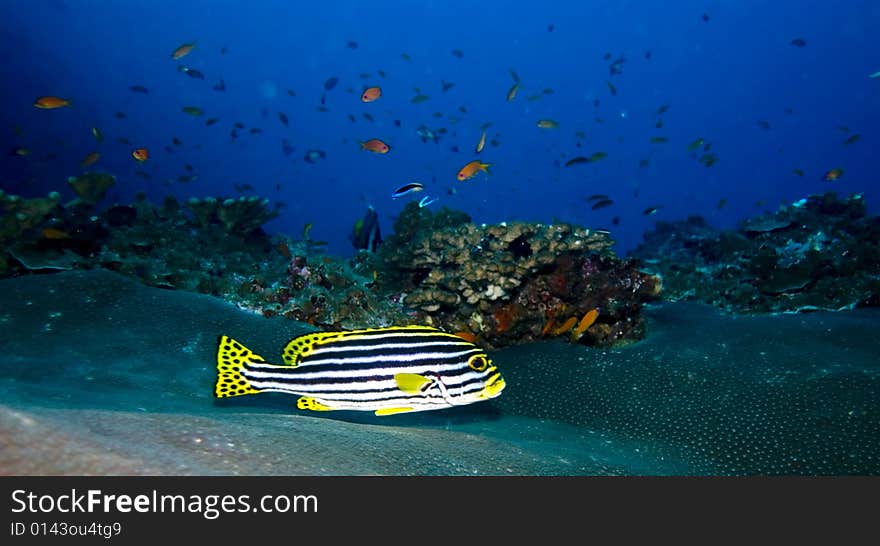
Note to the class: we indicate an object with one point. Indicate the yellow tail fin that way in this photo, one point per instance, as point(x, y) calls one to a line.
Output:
point(231, 358)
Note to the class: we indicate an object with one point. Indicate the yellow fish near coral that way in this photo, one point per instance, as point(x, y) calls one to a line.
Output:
point(397, 369)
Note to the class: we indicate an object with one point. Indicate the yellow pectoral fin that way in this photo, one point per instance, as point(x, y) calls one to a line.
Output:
point(411, 383)
point(392, 411)
point(309, 403)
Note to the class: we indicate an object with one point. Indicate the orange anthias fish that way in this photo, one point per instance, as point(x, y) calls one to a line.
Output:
point(141, 154)
point(370, 94)
point(565, 326)
point(471, 169)
point(833, 175)
point(50, 103)
point(376, 146)
point(183, 51)
point(467, 336)
point(585, 323)
point(55, 234)
point(90, 159)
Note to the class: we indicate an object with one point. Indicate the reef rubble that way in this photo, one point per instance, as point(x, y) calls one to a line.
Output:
point(819, 253)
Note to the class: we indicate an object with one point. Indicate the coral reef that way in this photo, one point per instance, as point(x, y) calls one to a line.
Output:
point(91, 187)
point(819, 253)
point(502, 284)
point(242, 216)
point(505, 283)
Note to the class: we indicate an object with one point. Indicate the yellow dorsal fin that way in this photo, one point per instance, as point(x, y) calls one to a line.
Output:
point(301, 347)
point(391, 411)
point(411, 383)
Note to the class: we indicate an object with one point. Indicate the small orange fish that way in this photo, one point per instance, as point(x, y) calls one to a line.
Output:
point(50, 103)
point(55, 234)
point(141, 154)
point(376, 146)
point(182, 51)
point(565, 326)
point(370, 94)
point(90, 159)
point(548, 124)
point(833, 175)
point(548, 326)
point(585, 323)
point(467, 336)
point(471, 169)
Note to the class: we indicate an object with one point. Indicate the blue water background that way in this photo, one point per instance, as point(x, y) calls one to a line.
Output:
point(718, 77)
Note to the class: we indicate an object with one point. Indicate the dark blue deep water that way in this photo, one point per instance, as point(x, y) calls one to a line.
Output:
point(722, 79)
point(102, 375)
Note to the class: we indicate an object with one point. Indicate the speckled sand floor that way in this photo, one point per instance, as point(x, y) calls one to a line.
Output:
point(101, 375)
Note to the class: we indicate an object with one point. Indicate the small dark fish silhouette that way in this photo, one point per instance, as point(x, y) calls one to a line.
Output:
point(799, 42)
point(120, 115)
point(446, 86)
point(602, 203)
point(551, 27)
point(220, 86)
point(283, 117)
point(577, 161)
point(139, 89)
point(705, 17)
point(611, 87)
point(851, 140)
point(330, 83)
point(211, 121)
point(458, 53)
point(764, 124)
point(351, 44)
point(192, 72)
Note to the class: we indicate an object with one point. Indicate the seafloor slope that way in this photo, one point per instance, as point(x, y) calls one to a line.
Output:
point(101, 375)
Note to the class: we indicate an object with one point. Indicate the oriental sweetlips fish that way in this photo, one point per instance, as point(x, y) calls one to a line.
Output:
point(390, 370)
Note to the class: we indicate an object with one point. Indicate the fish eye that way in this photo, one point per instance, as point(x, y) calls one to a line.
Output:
point(478, 363)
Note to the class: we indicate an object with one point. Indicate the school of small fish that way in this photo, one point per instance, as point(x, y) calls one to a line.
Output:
point(699, 149)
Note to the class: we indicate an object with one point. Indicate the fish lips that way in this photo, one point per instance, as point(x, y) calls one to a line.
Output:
point(493, 389)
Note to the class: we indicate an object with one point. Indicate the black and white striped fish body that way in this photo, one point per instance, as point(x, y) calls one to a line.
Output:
point(386, 370)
